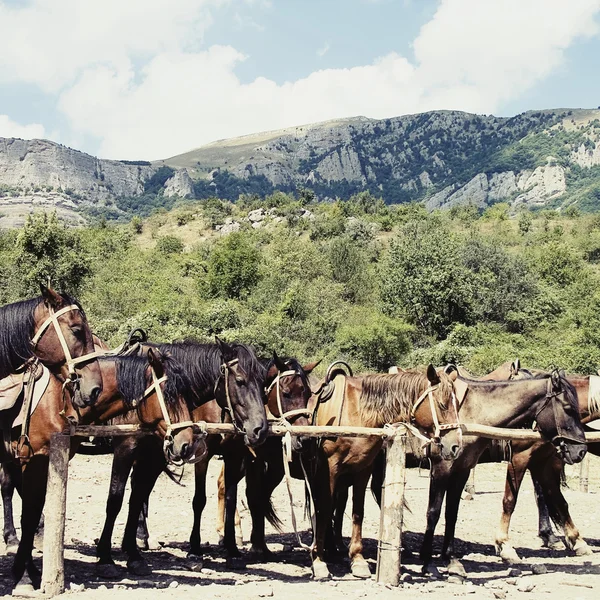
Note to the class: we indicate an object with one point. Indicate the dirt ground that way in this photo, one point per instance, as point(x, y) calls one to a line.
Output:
point(290, 576)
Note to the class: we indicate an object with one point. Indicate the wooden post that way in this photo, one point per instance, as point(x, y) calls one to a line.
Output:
point(53, 568)
point(584, 473)
point(392, 505)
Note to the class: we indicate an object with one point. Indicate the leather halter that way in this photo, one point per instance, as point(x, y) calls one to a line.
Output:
point(53, 320)
point(290, 414)
point(228, 408)
point(169, 440)
point(428, 393)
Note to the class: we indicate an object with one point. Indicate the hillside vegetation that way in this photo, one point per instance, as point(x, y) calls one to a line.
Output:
point(375, 284)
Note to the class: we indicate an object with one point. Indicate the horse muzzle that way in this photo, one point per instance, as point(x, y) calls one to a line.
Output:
point(570, 451)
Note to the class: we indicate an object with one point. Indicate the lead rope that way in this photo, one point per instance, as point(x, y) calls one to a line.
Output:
point(23, 441)
point(286, 447)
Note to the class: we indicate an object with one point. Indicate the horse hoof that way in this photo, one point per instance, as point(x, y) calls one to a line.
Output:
point(261, 554)
point(139, 567)
point(12, 547)
point(581, 548)
point(431, 571)
point(142, 544)
point(25, 589)
point(508, 554)
point(320, 571)
point(360, 569)
point(455, 568)
point(107, 571)
point(235, 563)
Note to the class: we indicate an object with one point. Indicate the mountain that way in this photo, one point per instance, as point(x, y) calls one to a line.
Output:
point(442, 158)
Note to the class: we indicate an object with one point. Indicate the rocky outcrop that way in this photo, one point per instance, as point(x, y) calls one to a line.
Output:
point(527, 187)
point(32, 164)
point(587, 155)
point(180, 184)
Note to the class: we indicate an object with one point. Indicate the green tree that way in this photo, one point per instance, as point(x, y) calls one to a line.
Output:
point(233, 266)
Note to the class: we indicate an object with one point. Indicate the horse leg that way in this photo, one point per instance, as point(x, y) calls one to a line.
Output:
point(35, 479)
point(261, 480)
point(233, 474)
point(515, 471)
point(124, 454)
point(323, 490)
point(456, 485)
point(438, 484)
point(545, 530)
point(221, 512)
point(149, 465)
point(470, 487)
point(334, 540)
point(7, 485)
point(548, 474)
point(198, 505)
point(142, 535)
point(358, 564)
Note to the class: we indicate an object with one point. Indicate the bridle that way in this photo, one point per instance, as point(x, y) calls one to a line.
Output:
point(228, 408)
point(289, 415)
point(438, 427)
point(561, 437)
point(169, 440)
point(71, 362)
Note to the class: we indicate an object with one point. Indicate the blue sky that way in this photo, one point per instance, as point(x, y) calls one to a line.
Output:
point(152, 78)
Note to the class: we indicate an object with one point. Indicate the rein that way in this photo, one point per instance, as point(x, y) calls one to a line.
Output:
point(53, 320)
point(228, 408)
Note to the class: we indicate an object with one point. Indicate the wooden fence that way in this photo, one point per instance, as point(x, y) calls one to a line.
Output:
point(390, 534)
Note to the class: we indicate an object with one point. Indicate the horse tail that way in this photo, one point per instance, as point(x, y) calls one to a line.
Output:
point(272, 517)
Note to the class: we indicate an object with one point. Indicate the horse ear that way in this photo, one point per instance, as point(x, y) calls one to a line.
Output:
point(461, 388)
point(393, 370)
point(514, 367)
point(453, 375)
point(278, 362)
point(52, 298)
point(310, 367)
point(155, 362)
point(226, 350)
point(450, 368)
point(432, 374)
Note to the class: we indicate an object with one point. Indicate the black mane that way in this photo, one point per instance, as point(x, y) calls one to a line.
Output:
point(17, 328)
point(133, 380)
point(201, 364)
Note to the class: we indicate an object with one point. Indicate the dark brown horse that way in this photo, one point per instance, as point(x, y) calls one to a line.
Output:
point(549, 400)
point(148, 386)
point(226, 384)
point(546, 470)
point(52, 328)
point(425, 398)
point(288, 394)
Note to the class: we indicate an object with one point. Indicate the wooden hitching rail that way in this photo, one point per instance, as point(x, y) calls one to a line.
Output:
point(388, 559)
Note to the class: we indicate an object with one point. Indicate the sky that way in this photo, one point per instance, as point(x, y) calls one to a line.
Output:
point(149, 79)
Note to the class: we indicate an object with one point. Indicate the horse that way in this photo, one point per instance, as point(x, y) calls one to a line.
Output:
point(288, 393)
point(226, 384)
point(548, 399)
point(546, 472)
point(53, 329)
point(151, 387)
point(424, 397)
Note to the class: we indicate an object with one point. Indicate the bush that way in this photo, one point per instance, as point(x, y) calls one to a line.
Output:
point(169, 244)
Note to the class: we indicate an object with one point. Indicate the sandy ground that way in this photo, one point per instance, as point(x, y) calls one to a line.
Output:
point(290, 576)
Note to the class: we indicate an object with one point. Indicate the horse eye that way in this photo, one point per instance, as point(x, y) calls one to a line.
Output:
point(78, 332)
point(240, 381)
point(287, 395)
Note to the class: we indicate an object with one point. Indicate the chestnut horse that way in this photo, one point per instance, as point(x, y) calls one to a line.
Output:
point(150, 386)
point(425, 398)
point(52, 328)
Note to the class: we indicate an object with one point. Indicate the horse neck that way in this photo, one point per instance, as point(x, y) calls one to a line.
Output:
point(503, 404)
point(582, 387)
point(111, 402)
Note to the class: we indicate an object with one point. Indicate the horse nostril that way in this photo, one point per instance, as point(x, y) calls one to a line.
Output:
point(184, 449)
point(95, 394)
point(455, 450)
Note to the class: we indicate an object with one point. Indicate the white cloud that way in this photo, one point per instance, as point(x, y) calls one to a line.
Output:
point(471, 55)
point(9, 128)
point(323, 50)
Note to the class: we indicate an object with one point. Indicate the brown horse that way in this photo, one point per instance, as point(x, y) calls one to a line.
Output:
point(226, 384)
point(373, 401)
point(151, 386)
point(549, 400)
point(546, 471)
point(52, 328)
